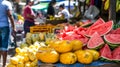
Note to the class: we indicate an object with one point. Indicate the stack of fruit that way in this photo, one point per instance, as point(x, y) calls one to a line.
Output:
point(67, 52)
point(25, 57)
point(95, 37)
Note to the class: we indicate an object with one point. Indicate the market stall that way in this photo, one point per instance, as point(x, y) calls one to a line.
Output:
point(72, 46)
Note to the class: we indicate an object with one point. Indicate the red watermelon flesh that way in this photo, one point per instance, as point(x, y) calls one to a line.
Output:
point(116, 54)
point(99, 21)
point(102, 29)
point(112, 38)
point(117, 31)
point(106, 53)
point(95, 41)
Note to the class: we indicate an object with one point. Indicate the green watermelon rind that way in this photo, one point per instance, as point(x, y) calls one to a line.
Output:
point(87, 25)
point(112, 45)
point(116, 61)
point(105, 59)
point(98, 47)
point(109, 60)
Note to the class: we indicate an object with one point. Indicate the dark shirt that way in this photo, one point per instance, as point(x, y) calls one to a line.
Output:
point(50, 10)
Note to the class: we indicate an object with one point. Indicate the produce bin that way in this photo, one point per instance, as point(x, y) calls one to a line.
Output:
point(95, 63)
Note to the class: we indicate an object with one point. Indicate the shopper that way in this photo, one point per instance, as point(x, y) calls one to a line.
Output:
point(29, 16)
point(50, 9)
point(64, 12)
point(5, 13)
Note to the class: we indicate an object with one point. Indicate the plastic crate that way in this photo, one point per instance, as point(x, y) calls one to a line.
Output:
point(41, 28)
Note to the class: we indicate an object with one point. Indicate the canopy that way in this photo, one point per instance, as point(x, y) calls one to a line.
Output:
point(40, 6)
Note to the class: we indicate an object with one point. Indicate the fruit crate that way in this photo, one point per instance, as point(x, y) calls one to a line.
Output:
point(41, 28)
point(93, 64)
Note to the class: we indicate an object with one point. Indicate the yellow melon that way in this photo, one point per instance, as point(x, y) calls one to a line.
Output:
point(77, 44)
point(95, 54)
point(84, 56)
point(68, 58)
point(48, 56)
point(62, 46)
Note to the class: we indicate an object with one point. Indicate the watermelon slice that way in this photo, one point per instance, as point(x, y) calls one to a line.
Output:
point(106, 53)
point(117, 31)
point(113, 40)
point(102, 29)
point(95, 41)
point(116, 54)
point(87, 23)
point(99, 21)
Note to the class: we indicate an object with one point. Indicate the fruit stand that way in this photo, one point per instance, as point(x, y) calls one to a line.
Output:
point(71, 46)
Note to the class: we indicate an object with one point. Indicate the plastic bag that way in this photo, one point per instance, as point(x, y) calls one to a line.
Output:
point(92, 12)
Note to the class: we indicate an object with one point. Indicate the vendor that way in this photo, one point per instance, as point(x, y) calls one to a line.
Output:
point(29, 16)
point(50, 9)
point(64, 12)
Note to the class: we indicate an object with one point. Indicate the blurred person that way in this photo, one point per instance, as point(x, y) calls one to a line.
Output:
point(64, 12)
point(50, 9)
point(5, 15)
point(29, 17)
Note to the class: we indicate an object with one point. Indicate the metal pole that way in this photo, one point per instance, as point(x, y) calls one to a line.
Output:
point(69, 6)
point(112, 10)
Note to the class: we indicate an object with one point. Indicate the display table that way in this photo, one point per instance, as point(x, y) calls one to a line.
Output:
point(96, 63)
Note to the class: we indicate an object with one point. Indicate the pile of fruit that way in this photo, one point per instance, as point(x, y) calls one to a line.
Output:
point(73, 44)
point(25, 57)
point(66, 52)
point(95, 37)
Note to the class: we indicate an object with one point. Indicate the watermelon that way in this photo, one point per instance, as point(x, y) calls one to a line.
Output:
point(113, 40)
point(98, 22)
point(102, 28)
point(106, 53)
point(116, 54)
point(116, 31)
point(87, 23)
point(95, 41)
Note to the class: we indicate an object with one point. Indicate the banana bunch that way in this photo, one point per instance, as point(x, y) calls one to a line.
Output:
point(107, 4)
point(117, 5)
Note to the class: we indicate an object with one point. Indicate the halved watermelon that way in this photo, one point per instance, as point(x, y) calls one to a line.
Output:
point(102, 29)
point(106, 53)
point(95, 41)
point(113, 40)
point(116, 54)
